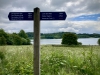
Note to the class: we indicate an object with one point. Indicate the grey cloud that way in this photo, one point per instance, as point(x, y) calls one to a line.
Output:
point(93, 6)
point(58, 3)
point(78, 7)
point(28, 4)
point(4, 3)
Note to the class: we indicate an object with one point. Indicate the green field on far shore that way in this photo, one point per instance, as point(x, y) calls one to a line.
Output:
point(55, 60)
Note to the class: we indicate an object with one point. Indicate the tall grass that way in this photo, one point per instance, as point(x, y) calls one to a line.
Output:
point(18, 60)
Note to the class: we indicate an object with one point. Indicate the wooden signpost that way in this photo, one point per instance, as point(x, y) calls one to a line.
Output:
point(36, 41)
point(36, 16)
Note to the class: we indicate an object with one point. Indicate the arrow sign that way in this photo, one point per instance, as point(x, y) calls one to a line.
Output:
point(20, 16)
point(28, 16)
point(53, 15)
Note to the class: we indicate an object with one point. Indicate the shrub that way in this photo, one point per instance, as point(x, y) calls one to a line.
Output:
point(69, 39)
point(99, 41)
point(79, 43)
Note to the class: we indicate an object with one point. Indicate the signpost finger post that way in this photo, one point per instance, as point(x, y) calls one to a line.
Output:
point(36, 16)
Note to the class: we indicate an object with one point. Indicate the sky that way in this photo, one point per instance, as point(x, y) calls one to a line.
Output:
point(83, 16)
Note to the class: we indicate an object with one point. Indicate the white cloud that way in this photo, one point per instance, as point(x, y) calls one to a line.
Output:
point(18, 9)
point(69, 29)
point(69, 4)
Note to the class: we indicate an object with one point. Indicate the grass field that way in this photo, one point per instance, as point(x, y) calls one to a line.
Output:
point(55, 60)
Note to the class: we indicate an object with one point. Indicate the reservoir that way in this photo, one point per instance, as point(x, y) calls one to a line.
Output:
point(84, 41)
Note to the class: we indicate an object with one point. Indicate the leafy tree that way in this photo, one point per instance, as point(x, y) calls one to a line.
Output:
point(17, 40)
point(28, 41)
point(22, 34)
point(3, 34)
point(2, 40)
point(24, 41)
point(99, 41)
point(69, 39)
point(14, 39)
point(9, 39)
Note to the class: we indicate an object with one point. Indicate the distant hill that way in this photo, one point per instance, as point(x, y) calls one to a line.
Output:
point(59, 35)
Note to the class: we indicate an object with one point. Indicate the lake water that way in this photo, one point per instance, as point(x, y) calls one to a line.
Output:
point(84, 41)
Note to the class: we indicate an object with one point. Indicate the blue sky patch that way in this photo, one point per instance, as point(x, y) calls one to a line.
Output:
point(93, 17)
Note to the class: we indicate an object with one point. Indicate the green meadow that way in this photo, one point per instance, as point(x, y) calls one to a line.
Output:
point(55, 60)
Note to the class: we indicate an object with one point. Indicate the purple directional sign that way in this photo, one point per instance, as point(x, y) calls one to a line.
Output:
point(20, 16)
point(53, 15)
point(28, 16)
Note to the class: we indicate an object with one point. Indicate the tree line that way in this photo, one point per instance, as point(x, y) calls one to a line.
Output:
point(59, 35)
point(20, 38)
point(23, 38)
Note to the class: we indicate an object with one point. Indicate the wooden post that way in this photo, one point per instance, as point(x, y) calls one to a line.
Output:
point(36, 41)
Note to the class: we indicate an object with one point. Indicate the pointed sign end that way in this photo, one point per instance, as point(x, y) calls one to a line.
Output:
point(9, 16)
point(65, 15)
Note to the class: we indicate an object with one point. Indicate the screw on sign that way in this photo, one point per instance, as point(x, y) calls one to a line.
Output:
point(36, 16)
